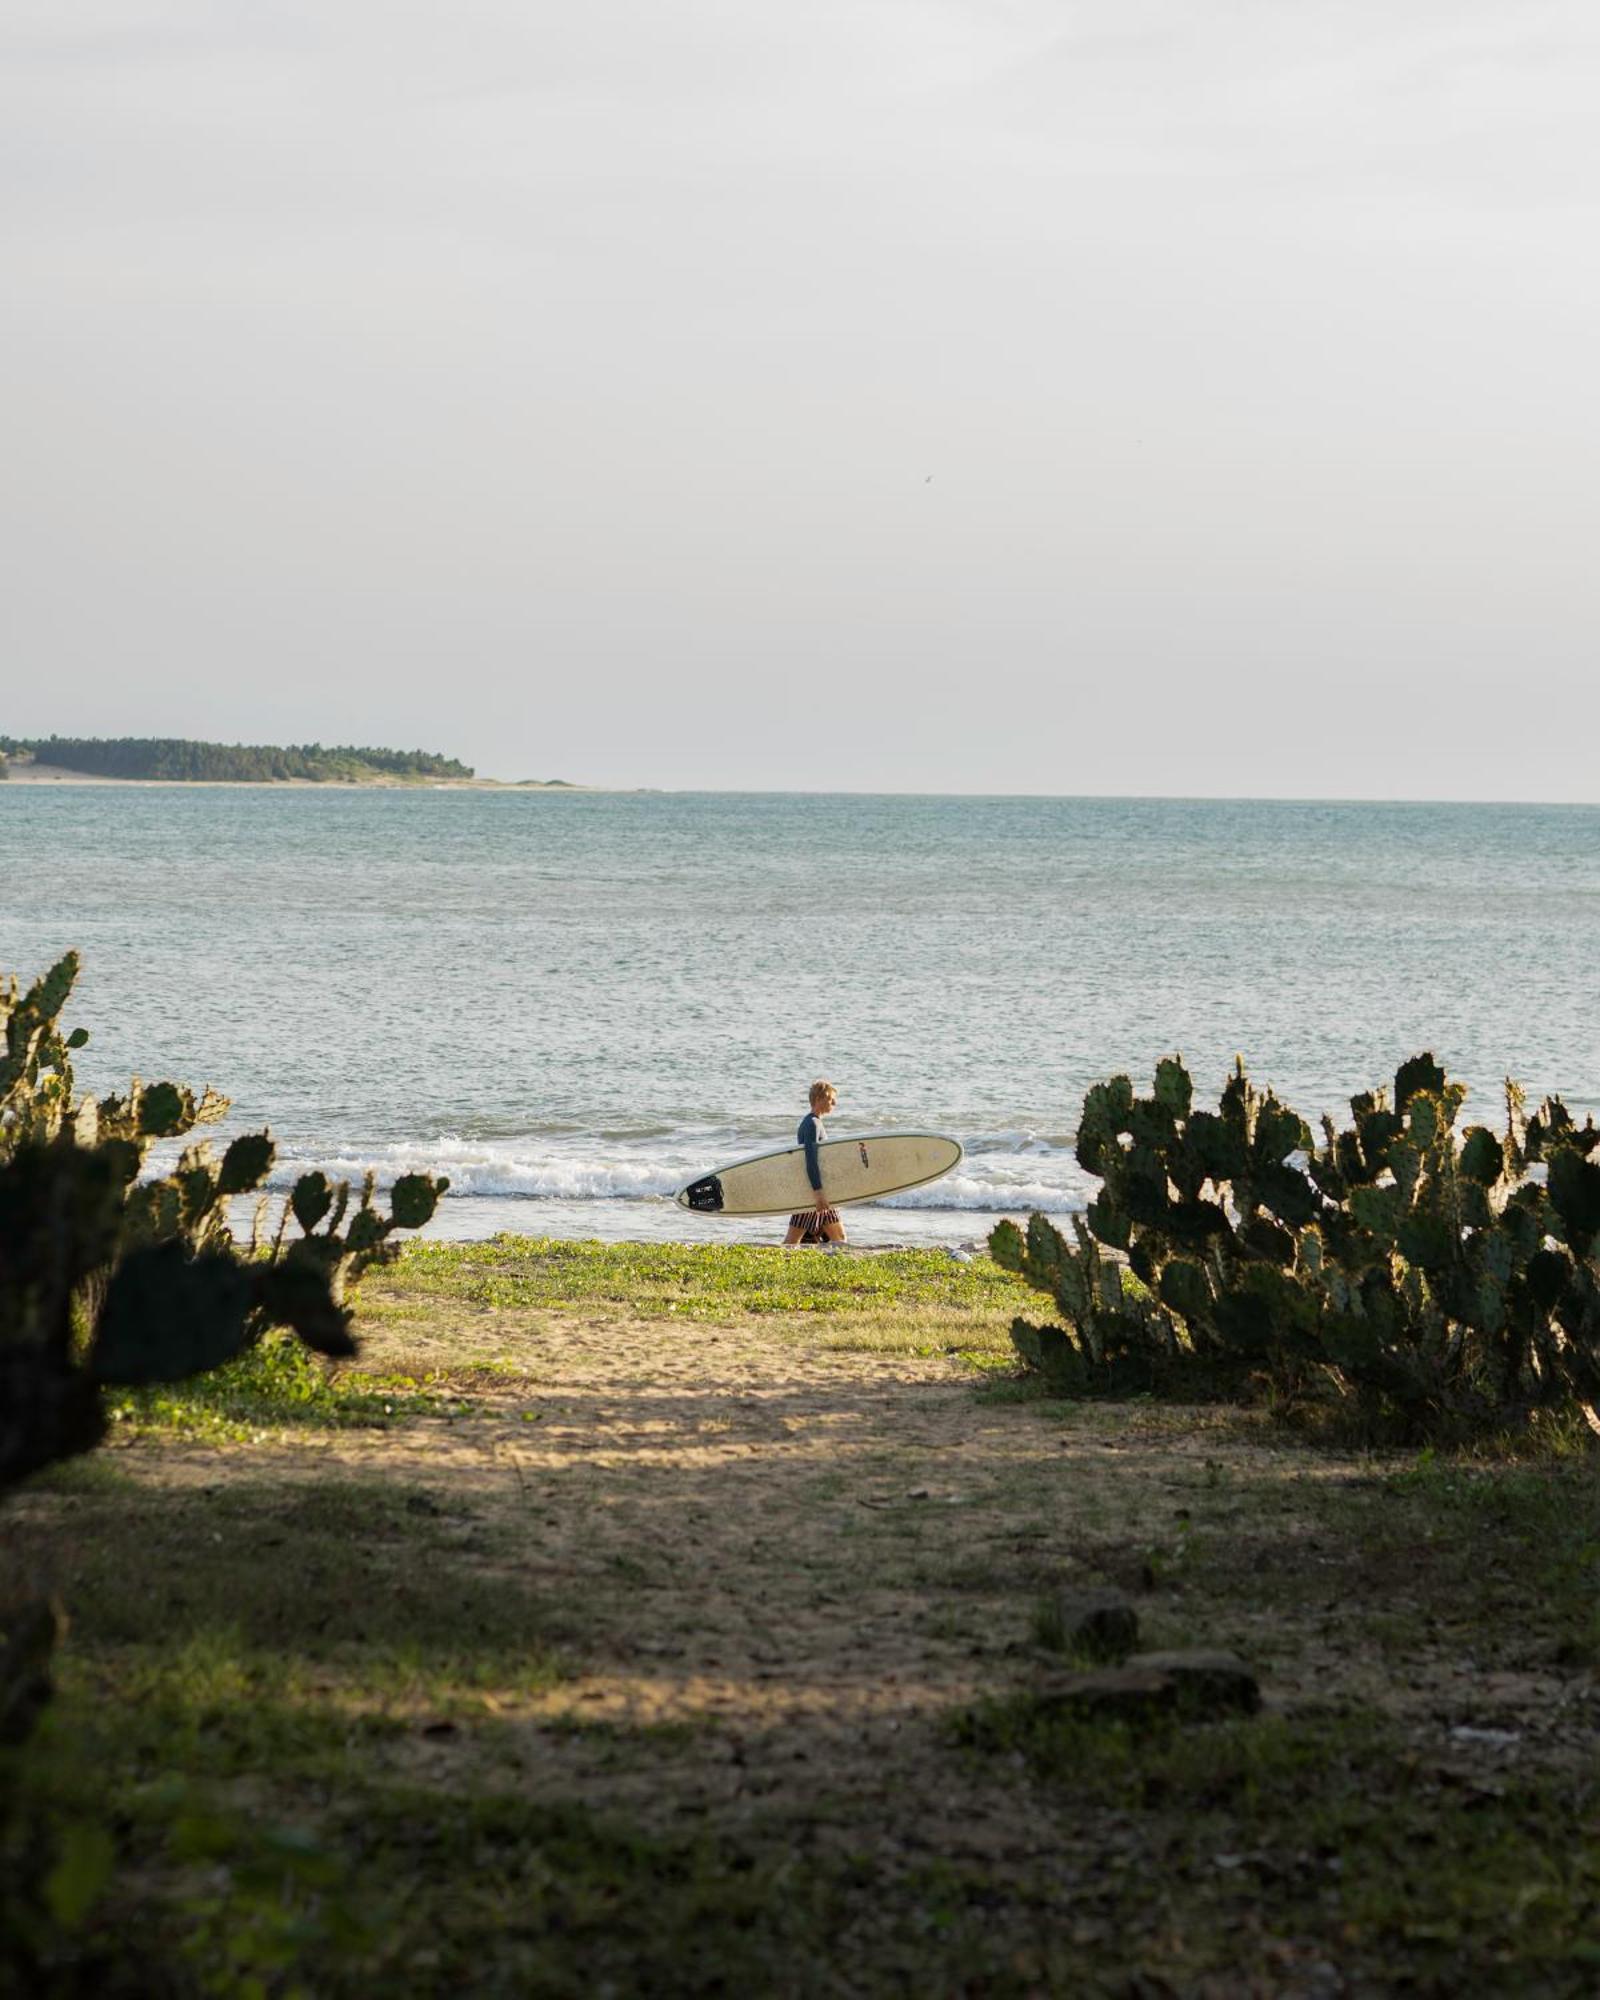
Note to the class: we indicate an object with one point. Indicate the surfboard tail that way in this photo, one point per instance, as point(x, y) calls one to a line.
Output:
point(703, 1196)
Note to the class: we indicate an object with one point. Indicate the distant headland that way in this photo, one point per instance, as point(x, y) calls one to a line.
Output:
point(181, 760)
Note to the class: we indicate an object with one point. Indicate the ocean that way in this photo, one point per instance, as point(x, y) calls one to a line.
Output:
point(572, 1004)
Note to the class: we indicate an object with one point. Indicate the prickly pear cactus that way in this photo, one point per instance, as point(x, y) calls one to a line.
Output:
point(111, 1277)
point(1421, 1270)
point(1116, 1337)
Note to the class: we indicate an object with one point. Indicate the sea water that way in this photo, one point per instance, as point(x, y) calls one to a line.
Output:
point(572, 1004)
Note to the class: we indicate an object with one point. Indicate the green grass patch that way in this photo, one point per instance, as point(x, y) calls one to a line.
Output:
point(281, 1591)
point(1413, 1563)
point(712, 1281)
point(553, 1900)
point(274, 1385)
point(1337, 1825)
point(1508, 1536)
point(410, 1891)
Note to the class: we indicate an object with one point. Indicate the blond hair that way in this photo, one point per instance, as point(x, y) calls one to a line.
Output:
point(823, 1092)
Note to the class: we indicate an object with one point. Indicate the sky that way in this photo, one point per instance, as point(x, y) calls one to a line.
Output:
point(1124, 396)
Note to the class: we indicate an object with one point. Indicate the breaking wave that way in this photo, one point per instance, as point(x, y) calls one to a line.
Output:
point(999, 1175)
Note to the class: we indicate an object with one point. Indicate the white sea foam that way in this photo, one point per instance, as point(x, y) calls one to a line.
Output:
point(542, 1168)
point(547, 1179)
point(988, 1197)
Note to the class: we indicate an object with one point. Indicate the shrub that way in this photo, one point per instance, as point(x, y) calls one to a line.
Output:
point(1440, 1281)
point(108, 1277)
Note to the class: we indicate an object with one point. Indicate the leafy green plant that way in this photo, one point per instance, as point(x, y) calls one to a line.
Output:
point(112, 1278)
point(1440, 1279)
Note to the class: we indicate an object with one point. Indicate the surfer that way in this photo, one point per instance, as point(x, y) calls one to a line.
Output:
point(820, 1222)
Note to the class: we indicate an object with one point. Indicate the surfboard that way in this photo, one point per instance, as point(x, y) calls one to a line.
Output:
point(863, 1169)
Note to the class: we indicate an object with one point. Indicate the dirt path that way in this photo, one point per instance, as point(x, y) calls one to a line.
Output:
point(732, 1589)
point(805, 1560)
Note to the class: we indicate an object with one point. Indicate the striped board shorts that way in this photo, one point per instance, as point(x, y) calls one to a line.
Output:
point(810, 1218)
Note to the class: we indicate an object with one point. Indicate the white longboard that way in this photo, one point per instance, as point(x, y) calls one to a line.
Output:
point(863, 1169)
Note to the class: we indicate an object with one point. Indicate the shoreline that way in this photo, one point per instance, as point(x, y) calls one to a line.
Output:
point(484, 1218)
point(59, 775)
point(974, 1246)
point(868, 1237)
point(968, 1247)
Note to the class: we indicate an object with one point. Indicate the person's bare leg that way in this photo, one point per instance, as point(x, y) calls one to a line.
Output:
point(793, 1237)
point(834, 1231)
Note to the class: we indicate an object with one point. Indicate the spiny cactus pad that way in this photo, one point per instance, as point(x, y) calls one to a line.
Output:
point(111, 1277)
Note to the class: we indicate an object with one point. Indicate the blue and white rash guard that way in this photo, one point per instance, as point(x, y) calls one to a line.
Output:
point(811, 1136)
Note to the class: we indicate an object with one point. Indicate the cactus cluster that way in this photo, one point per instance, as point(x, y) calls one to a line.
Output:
point(1445, 1277)
point(111, 1276)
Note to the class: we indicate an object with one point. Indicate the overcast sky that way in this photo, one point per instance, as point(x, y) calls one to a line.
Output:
point(1129, 396)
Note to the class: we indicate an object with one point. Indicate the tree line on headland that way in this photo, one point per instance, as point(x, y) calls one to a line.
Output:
point(182, 758)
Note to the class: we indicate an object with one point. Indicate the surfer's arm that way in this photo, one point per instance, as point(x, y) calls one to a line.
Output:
point(808, 1139)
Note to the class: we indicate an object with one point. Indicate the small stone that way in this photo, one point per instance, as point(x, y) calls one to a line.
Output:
point(1111, 1694)
point(1197, 1686)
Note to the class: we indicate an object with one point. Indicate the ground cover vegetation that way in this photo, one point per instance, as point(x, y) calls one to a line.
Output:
point(181, 758)
point(115, 1279)
point(712, 1657)
point(693, 1621)
point(916, 1300)
point(1420, 1281)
